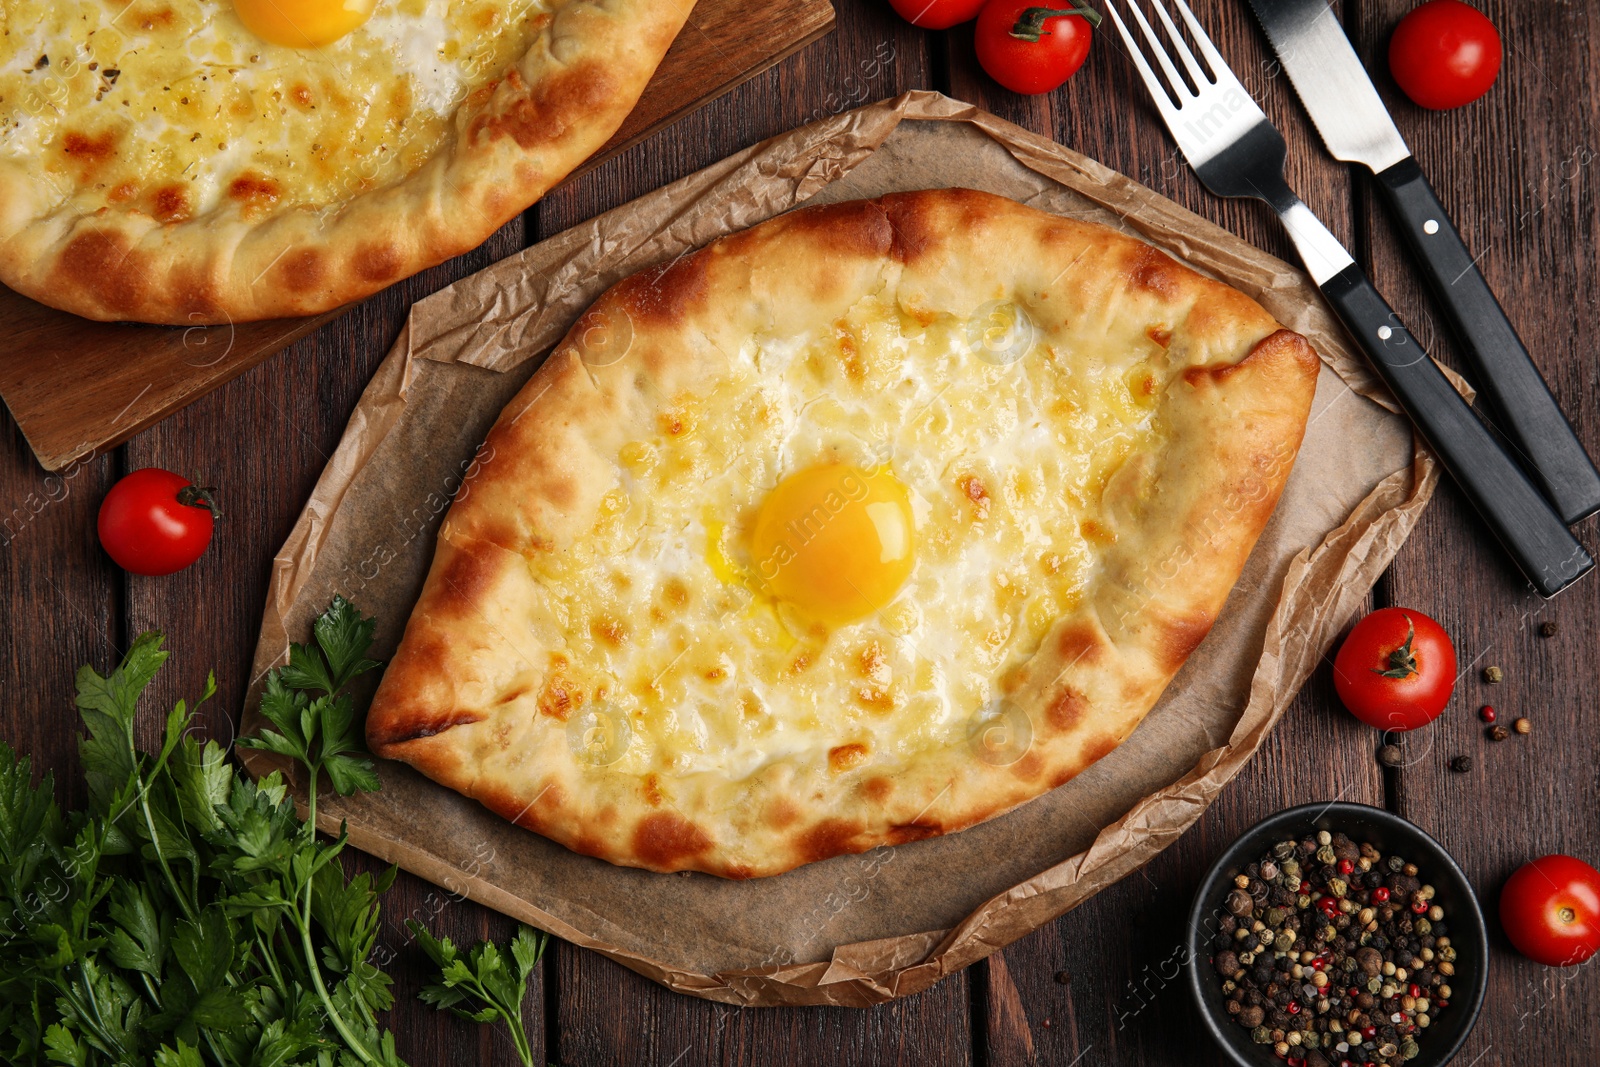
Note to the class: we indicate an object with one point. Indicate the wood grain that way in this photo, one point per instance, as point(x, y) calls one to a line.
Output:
point(76, 387)
point(1508, 167)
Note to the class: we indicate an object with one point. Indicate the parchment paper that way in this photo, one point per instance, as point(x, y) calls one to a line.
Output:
point(855, 930)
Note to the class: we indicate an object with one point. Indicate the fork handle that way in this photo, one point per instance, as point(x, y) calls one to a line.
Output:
point(1536, 538)
point(1528, 415)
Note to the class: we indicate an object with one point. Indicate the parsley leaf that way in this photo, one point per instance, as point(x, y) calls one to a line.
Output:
point(320, 731)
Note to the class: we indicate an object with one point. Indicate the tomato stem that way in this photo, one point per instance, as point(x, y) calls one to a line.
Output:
point(1402, 661)
point(1030, 24)
point(200, 496)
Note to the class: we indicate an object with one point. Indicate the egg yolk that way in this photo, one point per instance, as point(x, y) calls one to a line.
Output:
point(303, 23)
point(834, 541)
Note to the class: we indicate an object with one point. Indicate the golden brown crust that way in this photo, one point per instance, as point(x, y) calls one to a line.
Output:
point(476, 696)
point(152, 263)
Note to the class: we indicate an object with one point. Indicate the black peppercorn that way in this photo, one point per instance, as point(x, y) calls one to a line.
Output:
point(1461, 764)
point(1498, 733)
point(1548, 628)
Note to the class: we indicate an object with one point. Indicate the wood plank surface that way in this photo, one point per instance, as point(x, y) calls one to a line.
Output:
point(1515, 171)
point(1526, 207)
point(76, 387)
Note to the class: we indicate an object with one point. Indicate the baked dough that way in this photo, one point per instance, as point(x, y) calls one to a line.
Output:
point(160, 163)
point(1092, 436)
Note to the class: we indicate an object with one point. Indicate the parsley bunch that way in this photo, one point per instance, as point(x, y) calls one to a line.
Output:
point(485, 985)
point(189, 916)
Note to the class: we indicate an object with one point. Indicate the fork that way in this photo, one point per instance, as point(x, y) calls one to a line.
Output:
point(1237, 152)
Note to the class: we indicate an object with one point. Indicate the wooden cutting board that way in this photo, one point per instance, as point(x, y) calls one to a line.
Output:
point(77, 387)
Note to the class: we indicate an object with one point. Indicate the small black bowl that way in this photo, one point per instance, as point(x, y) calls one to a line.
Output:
point(1392, 835)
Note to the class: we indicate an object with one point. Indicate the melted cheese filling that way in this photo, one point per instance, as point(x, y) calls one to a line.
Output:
point(684, 662)
point(174, 108)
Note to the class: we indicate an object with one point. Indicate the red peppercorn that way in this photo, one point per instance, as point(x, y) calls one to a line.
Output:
point(1293, 1008)
point(1354, 992)
point(1320, 962)
point(1420, 906)
point(1486, 713)
point(1369, 1032)
point(1345, 866)
point(1441, 1003)
point(1381, 895)
point(1414, 989)
point(1305, 887)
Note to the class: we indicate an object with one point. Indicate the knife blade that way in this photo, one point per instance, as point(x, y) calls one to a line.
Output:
point(1351, 117)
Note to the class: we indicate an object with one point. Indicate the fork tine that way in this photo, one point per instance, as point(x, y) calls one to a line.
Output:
point(1200, 77)
point(1152, 81)
point(1180, 89)
point(1219, 66)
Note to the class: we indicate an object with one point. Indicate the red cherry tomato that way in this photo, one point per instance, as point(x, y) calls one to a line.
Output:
point(156, 522)
point(1445, 54)
point(937, 14)
point(1550, 909)
point(1030, 48)
point(1396, 670)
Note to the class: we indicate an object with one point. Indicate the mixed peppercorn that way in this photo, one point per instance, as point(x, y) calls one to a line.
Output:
point(1333, 953)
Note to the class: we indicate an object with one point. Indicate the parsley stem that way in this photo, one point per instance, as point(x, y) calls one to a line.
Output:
point(97, 1022)
point(519, 1037)
point(155, 838)
point(270, 960)
point(303, 921)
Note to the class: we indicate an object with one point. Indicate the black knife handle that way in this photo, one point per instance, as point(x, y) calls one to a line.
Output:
point(1503, 371)
point(1535, 536)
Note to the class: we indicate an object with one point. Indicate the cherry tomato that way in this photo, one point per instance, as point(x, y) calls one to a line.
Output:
point(1445, 54)
point(937, 14)
point(1551, 910)
point(156, 522)
point(1396, 670)
point(1032, 49)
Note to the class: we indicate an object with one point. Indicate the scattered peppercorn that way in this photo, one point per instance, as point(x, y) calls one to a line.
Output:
point(1548, 628)
point(1390, 756)
point(1461, 764)
point(1323, 968)
point(1522, 726)
point(1493, 675)
point(1063, 978)
point(1486, 713)
point(1498, 733)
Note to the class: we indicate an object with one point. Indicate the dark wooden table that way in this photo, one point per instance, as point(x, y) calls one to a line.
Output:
point(1101, 984)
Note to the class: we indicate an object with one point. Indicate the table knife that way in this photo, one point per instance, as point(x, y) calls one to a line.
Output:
point(1357, 128)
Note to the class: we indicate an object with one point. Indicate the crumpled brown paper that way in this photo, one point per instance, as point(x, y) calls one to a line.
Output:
point(862, 929)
